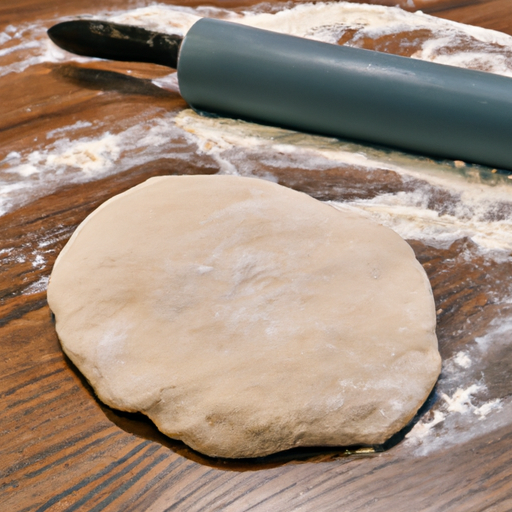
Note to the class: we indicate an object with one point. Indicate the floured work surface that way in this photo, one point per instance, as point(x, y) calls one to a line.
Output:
point(76, 132)
point(245, 318)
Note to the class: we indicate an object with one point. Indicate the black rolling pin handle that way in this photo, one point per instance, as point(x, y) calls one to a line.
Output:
point(105, 40)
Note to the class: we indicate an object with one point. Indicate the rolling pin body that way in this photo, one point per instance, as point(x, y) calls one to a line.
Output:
point(239, 71)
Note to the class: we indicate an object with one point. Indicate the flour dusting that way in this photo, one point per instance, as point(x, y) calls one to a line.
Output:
point(38, 287)
point(462, 359)
point(461, 412)
point(66, 159)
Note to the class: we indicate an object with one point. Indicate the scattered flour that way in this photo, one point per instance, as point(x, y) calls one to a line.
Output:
point(457, 419)
point(39, 261)
point(328, 22)
point(462, 359)
point(461, 399)
point(460, 415)
point(69, 128)
point(25, 176)
point(423, 428)
point(90, 156)
point(38, 287)
point(407, 214)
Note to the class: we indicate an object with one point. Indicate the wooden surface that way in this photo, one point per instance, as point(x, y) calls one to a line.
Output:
point(61, 449)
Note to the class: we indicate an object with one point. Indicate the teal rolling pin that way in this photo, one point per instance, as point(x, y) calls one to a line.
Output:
point(237, 71)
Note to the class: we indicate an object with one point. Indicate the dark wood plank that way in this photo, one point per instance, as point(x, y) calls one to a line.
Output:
point(495, 14)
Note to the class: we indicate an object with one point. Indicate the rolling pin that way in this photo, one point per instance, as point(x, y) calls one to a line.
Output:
point(237, 71)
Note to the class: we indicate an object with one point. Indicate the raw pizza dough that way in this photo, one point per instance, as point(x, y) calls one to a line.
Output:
point(245, 318)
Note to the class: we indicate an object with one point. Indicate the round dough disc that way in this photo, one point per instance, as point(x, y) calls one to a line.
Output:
point(245, 318)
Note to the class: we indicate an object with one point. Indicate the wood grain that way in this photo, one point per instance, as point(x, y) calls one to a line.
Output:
point(62, 450)
point(495, 14)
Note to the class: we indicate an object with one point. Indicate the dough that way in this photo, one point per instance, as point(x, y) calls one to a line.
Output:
point(245, 318)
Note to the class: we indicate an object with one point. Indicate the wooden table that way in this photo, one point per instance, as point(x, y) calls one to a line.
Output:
point(61, 449)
